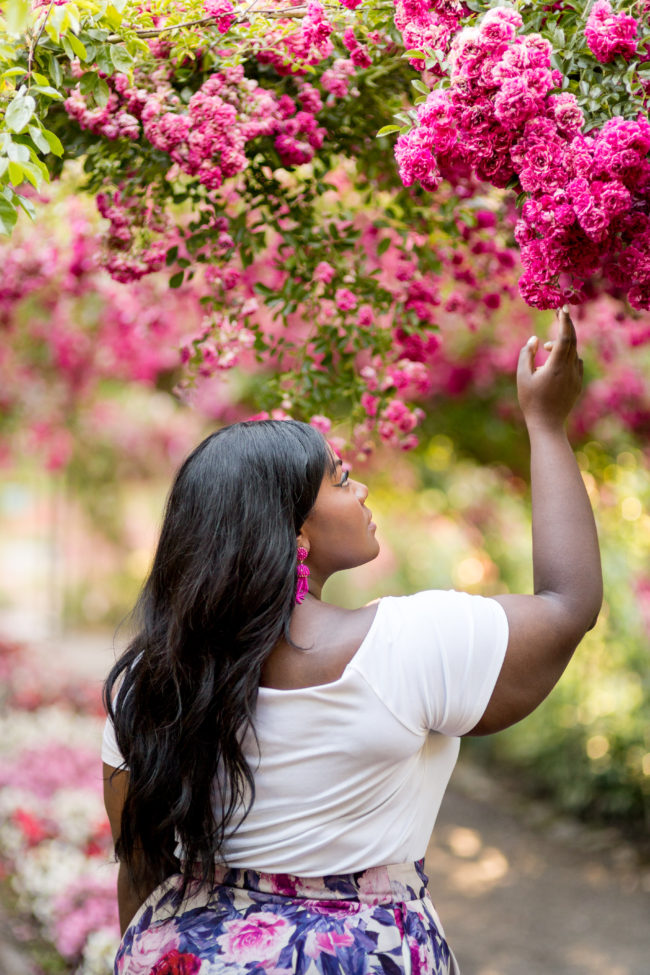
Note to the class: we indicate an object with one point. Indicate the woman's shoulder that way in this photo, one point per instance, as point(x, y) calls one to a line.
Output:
point(325, 640)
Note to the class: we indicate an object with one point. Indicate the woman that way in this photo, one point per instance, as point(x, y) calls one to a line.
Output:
point(274, 764)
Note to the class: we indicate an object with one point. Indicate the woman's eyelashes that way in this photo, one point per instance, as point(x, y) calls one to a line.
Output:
point(344, 479)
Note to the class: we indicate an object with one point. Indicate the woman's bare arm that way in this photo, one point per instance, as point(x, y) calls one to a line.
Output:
point(546, 628)
point(128, 898)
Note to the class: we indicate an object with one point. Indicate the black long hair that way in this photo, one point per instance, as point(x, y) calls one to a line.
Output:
point(218, 599)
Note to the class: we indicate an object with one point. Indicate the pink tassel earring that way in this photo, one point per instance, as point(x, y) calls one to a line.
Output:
point(302, 587)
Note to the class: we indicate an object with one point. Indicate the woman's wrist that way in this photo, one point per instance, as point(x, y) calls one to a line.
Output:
point(544, 426)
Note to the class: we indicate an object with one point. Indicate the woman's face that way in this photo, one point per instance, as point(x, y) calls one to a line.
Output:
point(339, 532)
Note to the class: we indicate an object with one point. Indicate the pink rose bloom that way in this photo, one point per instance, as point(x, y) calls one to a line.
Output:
point(148, 949)
point(538, 294)
point(415, 159)
point(323, 424)
point(369, 376)
point(360, 57)
point(609, 34)
point(543, 168)
point(351, 4)
point(223, 13)
point(324, 272)
point(567, 113)
point(258, 939)
point(369, 404)
point(345, 299)
point(499, 26)
point(366, 316)
point(515, 102)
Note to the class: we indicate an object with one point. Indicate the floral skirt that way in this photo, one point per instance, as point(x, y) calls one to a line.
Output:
point(381, 921)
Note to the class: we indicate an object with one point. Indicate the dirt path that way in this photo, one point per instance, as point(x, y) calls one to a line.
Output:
point(521, 892)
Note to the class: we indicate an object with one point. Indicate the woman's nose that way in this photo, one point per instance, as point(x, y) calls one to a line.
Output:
point(361, 491)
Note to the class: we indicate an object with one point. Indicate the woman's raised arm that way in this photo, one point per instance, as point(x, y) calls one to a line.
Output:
point(546, 628)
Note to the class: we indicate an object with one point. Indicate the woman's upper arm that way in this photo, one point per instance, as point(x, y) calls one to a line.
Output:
point(542, 635)
point(116, 784)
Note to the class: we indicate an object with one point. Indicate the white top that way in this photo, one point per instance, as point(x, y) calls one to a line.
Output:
point(351, 774)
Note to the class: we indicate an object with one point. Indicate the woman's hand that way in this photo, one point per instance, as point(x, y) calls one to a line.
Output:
point(547, 394)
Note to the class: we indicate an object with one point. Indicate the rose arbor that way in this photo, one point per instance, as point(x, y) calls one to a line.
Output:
point(235, 147)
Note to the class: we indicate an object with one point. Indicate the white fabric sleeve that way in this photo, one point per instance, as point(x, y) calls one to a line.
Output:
point(436, 657)
point(110, 752)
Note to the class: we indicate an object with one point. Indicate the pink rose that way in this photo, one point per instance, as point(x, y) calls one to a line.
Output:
point(323, 424)
point(324, 272)
point(258, 938)
point(345, 299)
point(149, 947)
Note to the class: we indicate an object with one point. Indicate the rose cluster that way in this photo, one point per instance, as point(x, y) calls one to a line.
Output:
point(208, 139)
point(428, 24)
point(588, 197)
point(609, 34)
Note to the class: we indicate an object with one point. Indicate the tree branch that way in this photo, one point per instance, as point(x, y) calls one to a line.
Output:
point(290, 13)
point(34, 43)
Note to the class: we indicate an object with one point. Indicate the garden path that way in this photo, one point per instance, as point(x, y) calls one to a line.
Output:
point(520, 890)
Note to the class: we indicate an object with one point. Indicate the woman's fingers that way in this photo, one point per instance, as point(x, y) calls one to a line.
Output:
point(566, 342)
point(526, 365)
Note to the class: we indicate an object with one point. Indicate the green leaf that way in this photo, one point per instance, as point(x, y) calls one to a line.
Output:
point(386, 130)
point(13, 72)
point(8, 216)
point(421, 87)
point(176, 280)
point(88, 82)
point(101, 93)
point(121, 58)
point(76, 46)
point(17, 153)
point(17, 16)
point(15, 173)
point(19, 112)
point(414, 54)
point(383, 246)
point(103, 60)
point(47, 91)
point(33, 174)
point(54, 142)
point(27, 206)
point(55, 70)
point(39, 139)
point(172, 254)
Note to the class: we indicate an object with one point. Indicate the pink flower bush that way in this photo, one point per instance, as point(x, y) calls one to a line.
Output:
point(208, 140)
point(588, 197)
point(609, 34)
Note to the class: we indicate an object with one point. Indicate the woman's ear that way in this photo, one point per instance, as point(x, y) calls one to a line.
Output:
point(303, 542)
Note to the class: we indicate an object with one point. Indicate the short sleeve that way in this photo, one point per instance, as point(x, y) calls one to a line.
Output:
point(110, 752)
point(436, 657)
